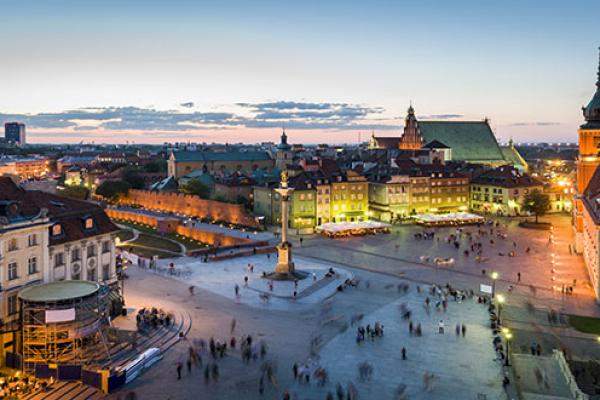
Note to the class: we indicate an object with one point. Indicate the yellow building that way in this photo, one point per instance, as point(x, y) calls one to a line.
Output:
point(349, 197)
point(389, 197)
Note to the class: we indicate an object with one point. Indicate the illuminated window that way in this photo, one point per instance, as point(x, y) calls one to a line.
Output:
point(89, 223)
point(56, 230)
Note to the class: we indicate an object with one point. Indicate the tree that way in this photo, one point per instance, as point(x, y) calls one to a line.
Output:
point(537, 203)
point(75, 192)
point(194, 186)
point(133, 178)
point(113, 189)
point(156, 166)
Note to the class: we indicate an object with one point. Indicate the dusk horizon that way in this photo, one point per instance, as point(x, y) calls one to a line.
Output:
point(150, 72)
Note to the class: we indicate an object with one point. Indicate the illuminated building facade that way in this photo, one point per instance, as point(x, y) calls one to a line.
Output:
point(588, 160)
point(501, 191)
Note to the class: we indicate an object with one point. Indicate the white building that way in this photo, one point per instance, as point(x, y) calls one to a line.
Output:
point(46, 238)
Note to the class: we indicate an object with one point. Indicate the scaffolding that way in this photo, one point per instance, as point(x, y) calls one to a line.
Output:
point(62, 323)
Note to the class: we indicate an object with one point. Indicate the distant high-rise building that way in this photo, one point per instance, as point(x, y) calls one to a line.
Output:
point(14, 132)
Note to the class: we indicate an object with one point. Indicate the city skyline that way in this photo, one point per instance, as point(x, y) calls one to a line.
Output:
point(150, 72)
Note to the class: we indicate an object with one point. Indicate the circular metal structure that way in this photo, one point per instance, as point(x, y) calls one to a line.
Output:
point(62, 322)
point(58, 291)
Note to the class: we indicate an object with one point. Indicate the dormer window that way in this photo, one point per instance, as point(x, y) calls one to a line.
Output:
point(56, 230)
point(88, 223)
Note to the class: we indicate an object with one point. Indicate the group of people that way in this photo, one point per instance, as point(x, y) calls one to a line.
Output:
point(372, 332)
point(153, 317)
point(16, 387)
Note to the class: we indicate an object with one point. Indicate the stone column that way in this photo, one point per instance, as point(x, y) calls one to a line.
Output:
point(285, 212)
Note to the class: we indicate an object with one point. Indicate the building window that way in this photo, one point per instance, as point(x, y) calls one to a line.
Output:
point(13, 245)
point(56, 230)
point(309, 196)
point(32, 240)
point(91, 274)
point(91, 250)
point(106, 247)
point(76, 254)
point(59, 259)
point(12, 271)
point(76, 272)
point(89, 223)
point(105, 271)
point(32, 265)
point(302, 196)
point(13, 304)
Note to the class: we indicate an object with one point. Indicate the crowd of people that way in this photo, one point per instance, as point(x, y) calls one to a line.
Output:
point(18, 386)
point(153, 318)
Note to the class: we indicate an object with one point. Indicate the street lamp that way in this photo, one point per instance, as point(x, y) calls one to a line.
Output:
point(507, 336)
point(494, 277)
point(500, 298)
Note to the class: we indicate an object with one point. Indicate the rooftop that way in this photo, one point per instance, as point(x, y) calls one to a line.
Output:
point(57, 291)
point(469, 140)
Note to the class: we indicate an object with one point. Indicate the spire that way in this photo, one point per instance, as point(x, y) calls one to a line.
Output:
point(283, 137)
point(598, 81)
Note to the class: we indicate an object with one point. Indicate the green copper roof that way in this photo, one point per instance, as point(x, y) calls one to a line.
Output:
point(511, 154)
point(469, 140)
point(60, 290)
point(221, 156)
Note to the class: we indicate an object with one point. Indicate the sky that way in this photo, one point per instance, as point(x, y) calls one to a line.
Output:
point(328, 71)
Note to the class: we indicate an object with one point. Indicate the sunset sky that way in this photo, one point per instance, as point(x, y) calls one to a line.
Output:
point(229, 71)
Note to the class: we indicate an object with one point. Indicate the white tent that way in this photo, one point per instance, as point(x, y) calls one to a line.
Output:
point(338, 229)
point(452, 218)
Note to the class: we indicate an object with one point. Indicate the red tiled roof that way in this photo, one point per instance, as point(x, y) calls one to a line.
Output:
point(68, 212)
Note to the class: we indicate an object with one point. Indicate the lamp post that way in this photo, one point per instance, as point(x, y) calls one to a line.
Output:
point(507, 336)
point(500, 298)
point(494, 277)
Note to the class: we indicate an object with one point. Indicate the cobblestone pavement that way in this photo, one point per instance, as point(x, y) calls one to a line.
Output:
point(462, 366)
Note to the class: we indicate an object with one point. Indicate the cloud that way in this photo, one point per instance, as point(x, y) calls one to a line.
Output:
point(289, 114)
point(440, 116)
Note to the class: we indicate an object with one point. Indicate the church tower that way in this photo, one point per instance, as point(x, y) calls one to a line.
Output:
point(284, 155)
point(589, 155)
point(411, 138)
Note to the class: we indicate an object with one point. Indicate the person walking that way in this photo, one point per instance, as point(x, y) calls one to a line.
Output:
point(404, 353)
point(518, 277)
point(457, 329)
point(295, 371)
point(464, 330)
point(261, 385)
point(441, 327)
point(179, 368)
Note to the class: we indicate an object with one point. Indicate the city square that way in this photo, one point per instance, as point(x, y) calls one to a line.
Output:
point(286, 200)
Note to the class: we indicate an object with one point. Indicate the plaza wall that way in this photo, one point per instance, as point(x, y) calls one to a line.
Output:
point(192, 206)
point(201, 235)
